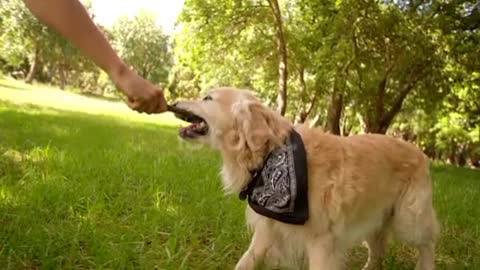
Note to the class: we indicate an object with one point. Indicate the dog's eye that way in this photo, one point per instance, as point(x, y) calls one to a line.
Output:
point(207, 98)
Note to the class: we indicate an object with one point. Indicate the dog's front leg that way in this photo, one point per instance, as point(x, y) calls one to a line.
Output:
point(260, 244)
point(323, 254)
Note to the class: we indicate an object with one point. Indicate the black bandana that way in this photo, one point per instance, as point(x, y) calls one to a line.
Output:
point(279, 190)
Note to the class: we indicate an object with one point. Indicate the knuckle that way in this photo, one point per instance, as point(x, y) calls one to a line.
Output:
point(135, 106)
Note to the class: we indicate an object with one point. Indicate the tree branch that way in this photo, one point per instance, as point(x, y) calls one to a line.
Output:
point(312, 103)
point(382, 88)
point(398, 102)
point(355, 55)
point(282, 57)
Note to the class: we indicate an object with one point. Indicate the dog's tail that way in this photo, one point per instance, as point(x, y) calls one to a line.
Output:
point(415, 220)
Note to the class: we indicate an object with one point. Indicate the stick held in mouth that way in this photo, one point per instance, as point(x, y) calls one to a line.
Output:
point(184, 114)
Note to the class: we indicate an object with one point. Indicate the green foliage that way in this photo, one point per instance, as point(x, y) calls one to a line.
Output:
point(21, 33)
point(348, 47)
point(184, 82)
point(142, 44)
point(451, 131)
point(367, 61)
point(229, 43)
point(26, 40)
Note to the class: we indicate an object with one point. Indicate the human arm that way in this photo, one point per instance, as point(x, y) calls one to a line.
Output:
point(71, 20)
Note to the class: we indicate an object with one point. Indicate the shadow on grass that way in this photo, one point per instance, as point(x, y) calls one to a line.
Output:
point(88, 190)
point(79, 190)
point(11, 86)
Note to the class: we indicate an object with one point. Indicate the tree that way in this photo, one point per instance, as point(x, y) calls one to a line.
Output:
point(451, 129)
point(311, 65)
point(27, 42)
point(238, 43)
point(22, 38)
point(283, 56)
point(143, 45)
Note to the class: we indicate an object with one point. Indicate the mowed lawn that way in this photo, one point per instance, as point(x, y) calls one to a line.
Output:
point(88, 184)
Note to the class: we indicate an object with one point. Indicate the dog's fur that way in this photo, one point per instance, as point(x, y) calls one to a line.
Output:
point(360, 187)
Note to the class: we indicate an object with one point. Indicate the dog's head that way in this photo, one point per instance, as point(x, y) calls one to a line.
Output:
point(234, 121)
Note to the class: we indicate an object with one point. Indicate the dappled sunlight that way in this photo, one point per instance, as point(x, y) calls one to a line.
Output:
point(68, 101)
point(89, 180)
point(7, 83)
point(88, 183)
point(34, 155)
point(162, 202)
point(25, 170)
point(14, 155)
point(7, 197)
point(192, 146)
point(178, 145)
point(47, 153)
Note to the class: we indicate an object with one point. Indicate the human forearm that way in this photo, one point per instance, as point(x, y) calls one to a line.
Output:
point(71, 20)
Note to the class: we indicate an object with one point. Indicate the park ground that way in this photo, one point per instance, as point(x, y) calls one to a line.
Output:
point(85, 183)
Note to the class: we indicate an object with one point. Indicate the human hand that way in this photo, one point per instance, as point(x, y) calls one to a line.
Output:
point(142, 96)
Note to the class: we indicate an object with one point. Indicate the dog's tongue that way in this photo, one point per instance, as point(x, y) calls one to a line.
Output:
point(190, 130)
point(185, 131)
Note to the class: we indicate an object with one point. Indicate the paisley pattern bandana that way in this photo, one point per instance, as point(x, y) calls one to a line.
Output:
point(279, 190)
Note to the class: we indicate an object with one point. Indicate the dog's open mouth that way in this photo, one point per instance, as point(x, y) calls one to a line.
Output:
point(198, 126)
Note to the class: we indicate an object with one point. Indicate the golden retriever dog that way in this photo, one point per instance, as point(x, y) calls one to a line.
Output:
point(360, 188)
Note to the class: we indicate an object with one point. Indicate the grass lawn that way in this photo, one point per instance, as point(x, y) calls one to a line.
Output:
point(88, 184)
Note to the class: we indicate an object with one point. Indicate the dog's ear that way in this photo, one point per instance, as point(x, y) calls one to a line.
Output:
point(257, 126)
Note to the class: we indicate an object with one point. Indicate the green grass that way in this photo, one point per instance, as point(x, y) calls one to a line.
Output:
point(88, 184)
point(45, 96)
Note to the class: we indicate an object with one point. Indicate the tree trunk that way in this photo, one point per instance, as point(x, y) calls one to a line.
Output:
point(474, 153)
point(372, 126)
point(305, 111)
point(451, 157)
point(430, 151)
point(335, 109)
point(462, 158)
point(33, 67)
point(282, 54)
point(334, 113)
point(346, 127)
point(315, 120)
point(381, 123)
point(63, 78)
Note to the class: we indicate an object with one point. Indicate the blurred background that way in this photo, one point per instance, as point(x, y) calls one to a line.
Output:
point(409, 68)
